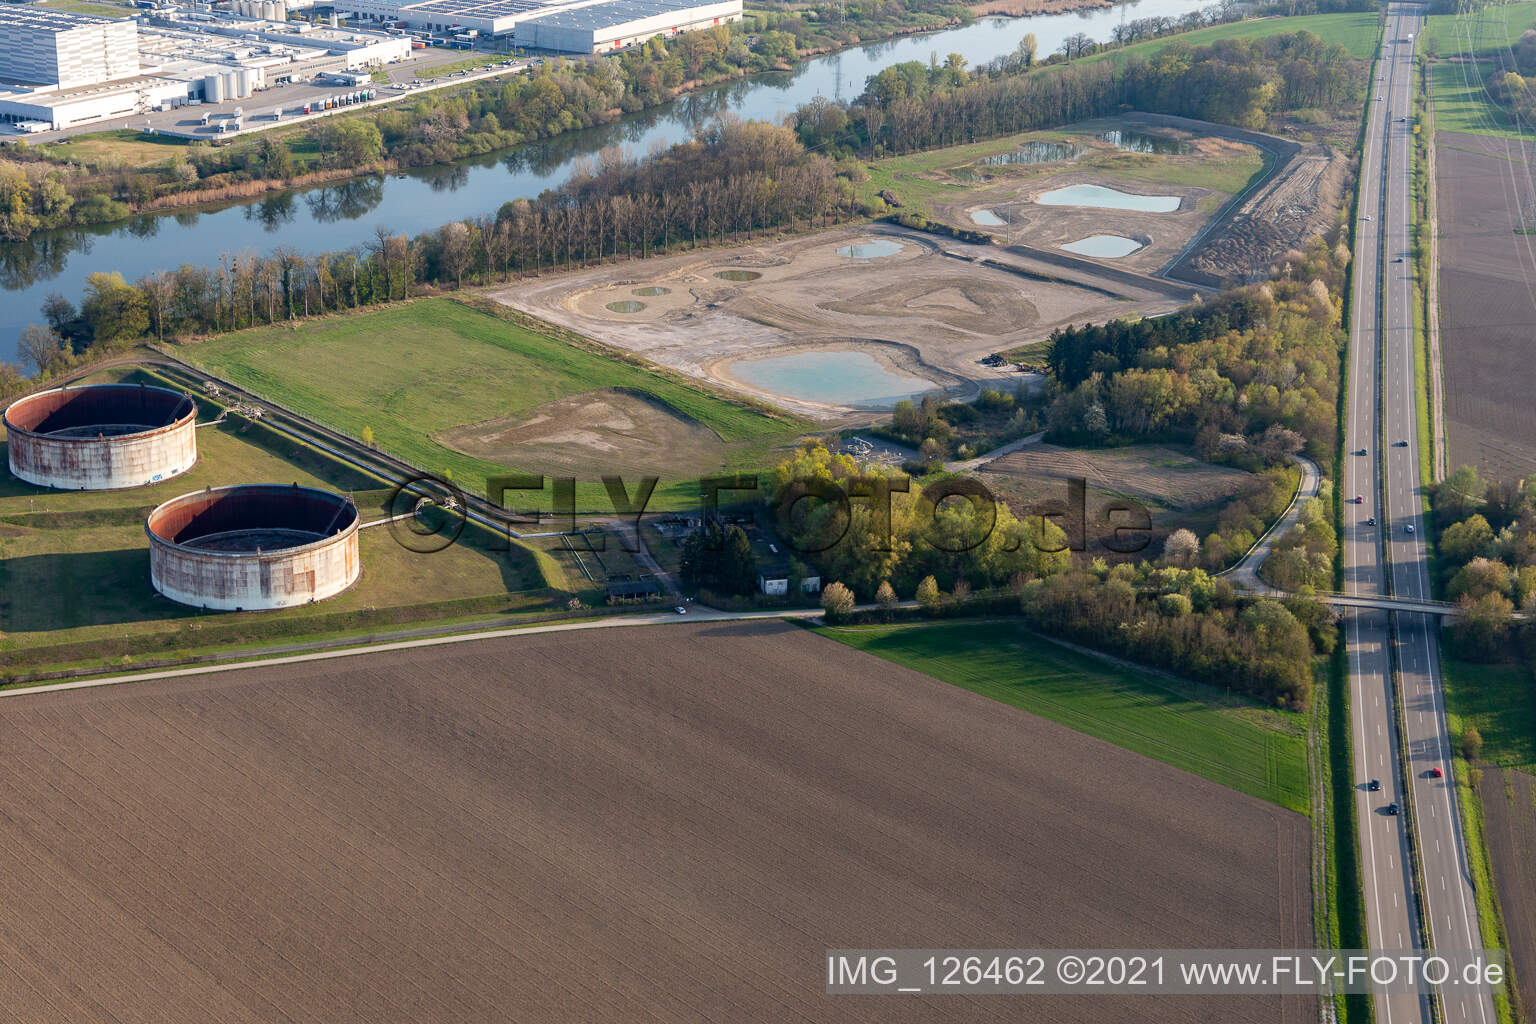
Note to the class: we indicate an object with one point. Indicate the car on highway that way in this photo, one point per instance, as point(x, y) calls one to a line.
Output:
point(1360, 451)
point(1374, 785)
point(1399, 444)
point(1408, 528)
point(1436, 773)
point(1371, 521)
point(1391, 810)
point(1366, 217)
point(1398, 260)
point(1357, 500)
point(681, 610)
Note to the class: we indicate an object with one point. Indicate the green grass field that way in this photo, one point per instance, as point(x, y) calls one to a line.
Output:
point(87, 7)
point(410, 371)
point(905, 175)
point(1500, 700)
point(74, 565)
point(1238, 744)
point(1356, 32)
point(1500, 25)
point(1465, 47)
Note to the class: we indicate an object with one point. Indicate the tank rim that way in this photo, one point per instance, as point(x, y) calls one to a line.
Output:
point(339, 535)
point(12, 427)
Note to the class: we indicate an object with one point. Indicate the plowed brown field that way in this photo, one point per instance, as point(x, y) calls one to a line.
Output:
point(658, 824)
point(1487, 302)
point(1509, 813)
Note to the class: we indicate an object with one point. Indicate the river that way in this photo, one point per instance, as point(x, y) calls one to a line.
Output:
point(341, 215)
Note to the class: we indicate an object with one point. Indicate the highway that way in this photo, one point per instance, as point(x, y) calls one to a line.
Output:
point(1380, 420)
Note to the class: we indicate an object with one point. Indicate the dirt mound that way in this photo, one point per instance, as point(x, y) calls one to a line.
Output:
point(614, 430)
point(1285, 215)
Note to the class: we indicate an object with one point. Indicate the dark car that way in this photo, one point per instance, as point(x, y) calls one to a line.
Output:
point(1360, 451)
point(1391, 810)
point(1374, 785)
point(1399, 444)
point(1398, 260)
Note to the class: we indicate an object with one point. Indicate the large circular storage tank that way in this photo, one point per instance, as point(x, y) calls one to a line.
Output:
point(101, 436)
point(253, 546)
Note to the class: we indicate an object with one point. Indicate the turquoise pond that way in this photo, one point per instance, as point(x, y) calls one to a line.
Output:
point(986, 218)
point(1104, 247)
point(1108, 199)
point(836, 377)
point(870, 250)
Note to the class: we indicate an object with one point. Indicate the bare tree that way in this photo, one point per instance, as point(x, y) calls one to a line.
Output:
point(41, 347)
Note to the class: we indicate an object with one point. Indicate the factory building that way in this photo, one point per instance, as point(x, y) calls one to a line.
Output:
point(572, 26)
point(180, 56)
point(614, 24)
point(41, 46)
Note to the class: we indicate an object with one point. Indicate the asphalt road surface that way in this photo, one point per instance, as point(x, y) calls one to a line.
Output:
point(1387, 478)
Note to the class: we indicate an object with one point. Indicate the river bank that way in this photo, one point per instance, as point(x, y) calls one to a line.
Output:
point(344, 211)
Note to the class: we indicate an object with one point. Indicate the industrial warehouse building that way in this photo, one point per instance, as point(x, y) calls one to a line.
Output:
point(168, 58)
point(48, 47)
point(614, 24)
point(573, 26)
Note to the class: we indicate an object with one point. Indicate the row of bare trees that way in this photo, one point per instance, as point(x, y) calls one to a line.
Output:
point(736, 180)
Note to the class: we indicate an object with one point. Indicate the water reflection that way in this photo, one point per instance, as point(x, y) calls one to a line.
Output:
point(273, 211)
point(347, 200)
point(338, 215)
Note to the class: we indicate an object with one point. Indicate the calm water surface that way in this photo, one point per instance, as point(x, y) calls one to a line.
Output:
point(343, 215)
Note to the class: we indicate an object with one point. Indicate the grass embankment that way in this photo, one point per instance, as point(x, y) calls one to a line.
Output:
point(74, 566)
point(1499, 701)
point(1357, 32)
point(1463, 47)
point(410, 371)
point(1237, 743)
point(914, 178)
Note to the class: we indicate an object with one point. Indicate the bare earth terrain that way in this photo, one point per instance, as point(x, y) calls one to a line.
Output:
point(916, 310)
point(663, 824)
point(1487, 302)
point(613, 431)
point(1509, 812)
point(1178, 489)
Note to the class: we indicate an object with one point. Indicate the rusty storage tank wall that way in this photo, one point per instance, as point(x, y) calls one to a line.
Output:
point(203, 547)
point(101, 436)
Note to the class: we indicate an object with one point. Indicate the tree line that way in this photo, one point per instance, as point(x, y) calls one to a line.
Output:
point(1486, 563)
point(43, 187)
point(733, 180)
point(1249, 376)
point(913, 106)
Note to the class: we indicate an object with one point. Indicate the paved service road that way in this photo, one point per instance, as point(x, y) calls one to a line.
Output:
point(1381, 367)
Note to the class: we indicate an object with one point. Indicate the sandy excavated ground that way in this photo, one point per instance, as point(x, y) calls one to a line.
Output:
point(646, 824)
point(1285, 214)
point(608, 432)
point(1012, 191)
point(1301, 201)
point(919, 311)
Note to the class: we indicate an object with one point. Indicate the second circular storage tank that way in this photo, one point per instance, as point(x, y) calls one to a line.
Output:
point(101, 436)
point(253, 546)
